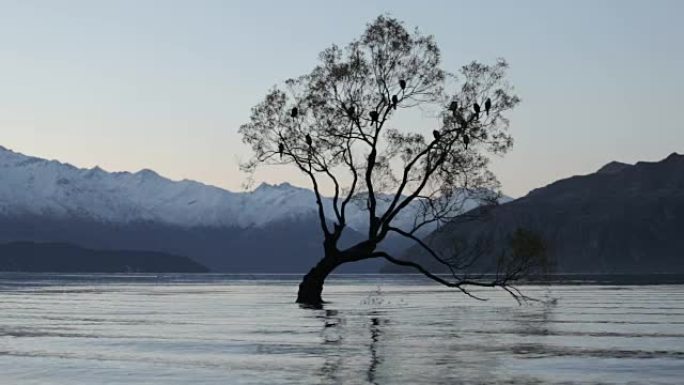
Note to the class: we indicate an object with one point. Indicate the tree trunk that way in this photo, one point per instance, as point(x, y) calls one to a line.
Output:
point(311, 287)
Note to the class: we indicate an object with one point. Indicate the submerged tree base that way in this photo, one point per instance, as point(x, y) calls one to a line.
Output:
point(311, 287)
point(309, 294)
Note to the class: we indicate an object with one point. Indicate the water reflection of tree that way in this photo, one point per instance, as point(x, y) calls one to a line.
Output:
point(449, 345)
point(337, 356)
point(375, 359)
point(532, 325)
point(331, 334)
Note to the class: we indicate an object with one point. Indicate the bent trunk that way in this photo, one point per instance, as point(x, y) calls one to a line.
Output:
point(311, 287)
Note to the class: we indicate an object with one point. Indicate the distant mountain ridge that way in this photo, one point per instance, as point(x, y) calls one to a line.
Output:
point(39, 187)
point(272, 229)
point(66, 258)
point(621, 219)
point(34, 186)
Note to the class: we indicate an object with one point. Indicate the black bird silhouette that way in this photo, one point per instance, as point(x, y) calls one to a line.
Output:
point(453, 107)
point(351, 110)
point(294, 112)
point(476, 107)
point(402, 84)
point(374, 116)
point(395, 101)
point(281, 148)
point(436, 134)
point(308, 140)
point(466, 140)
point(488, 105)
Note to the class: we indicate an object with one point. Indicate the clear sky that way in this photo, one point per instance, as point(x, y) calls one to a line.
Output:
point(165, 85)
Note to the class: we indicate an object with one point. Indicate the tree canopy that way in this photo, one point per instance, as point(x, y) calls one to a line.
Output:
point(337, 125)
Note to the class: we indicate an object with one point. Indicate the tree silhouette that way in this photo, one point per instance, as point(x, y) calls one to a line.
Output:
point(334, 125)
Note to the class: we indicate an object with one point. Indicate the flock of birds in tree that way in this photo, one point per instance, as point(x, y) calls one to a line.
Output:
point(459, 119)
point(375, 116)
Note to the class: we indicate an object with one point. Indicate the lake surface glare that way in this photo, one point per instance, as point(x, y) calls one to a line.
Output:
point(223, 329)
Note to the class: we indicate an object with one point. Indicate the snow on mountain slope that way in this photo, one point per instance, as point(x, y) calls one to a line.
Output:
point(34, 186)
point(31, 185)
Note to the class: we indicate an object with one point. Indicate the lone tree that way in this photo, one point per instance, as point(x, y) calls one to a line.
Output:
point(335, 126)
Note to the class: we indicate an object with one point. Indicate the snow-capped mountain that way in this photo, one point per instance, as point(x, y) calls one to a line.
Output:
point(39, 187)
point(35, 186)
point(272, 229)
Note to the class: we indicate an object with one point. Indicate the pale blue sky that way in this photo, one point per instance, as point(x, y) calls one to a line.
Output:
point(165, 84)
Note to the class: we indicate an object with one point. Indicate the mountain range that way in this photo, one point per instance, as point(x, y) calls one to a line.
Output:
point(621, 219)
point(272, 229)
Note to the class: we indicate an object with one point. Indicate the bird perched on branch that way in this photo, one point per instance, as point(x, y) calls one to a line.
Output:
point(374, 116)
point(453, 107)
point(402, 84)
point(466, 141)
point(436, 134)
point(308, 140)
point(281, 148)
point(395, 101)
point(294, 112)
point(488, 105)
point(476, 107)
point(351, 111)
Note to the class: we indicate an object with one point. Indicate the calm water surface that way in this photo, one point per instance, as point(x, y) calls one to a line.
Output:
point(186, 329)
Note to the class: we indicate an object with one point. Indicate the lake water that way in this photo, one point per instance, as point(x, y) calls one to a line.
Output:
point(214, 329)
